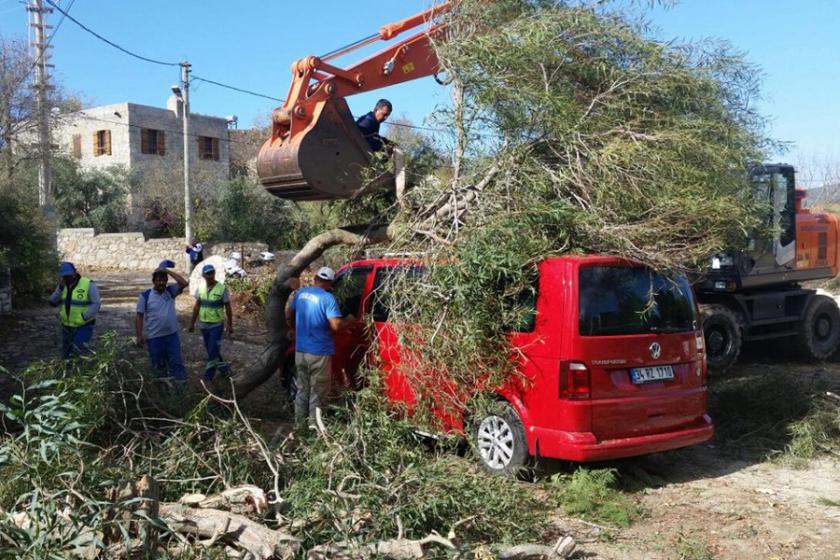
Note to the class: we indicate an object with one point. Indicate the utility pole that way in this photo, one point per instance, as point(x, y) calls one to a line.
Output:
point(185, 99)
point(45, 193)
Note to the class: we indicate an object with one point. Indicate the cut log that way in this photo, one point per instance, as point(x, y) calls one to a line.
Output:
point(395, 549)
point(244, 499)
point(147, 489)
point(563, 549)
point(230, 528)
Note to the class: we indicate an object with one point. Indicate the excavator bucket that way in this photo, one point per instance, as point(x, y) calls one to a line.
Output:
point(329, 160)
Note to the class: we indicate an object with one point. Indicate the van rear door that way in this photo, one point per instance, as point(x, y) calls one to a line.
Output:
point(639, 333)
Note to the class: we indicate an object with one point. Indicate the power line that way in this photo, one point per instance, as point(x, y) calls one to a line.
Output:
point(234, 88)
point(111, 43)
point(404, 125)
point(65, 14)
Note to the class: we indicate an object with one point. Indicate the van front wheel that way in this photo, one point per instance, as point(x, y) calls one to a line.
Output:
point(499, 438)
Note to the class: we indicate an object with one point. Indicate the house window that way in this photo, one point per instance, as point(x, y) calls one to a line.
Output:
point(208, 148)
point(152, 142)
point(77, 146)
point(101, 143)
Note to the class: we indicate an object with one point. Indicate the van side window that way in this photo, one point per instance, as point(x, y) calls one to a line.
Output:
point(386, 278)
point(349, 288)
point(521, 310)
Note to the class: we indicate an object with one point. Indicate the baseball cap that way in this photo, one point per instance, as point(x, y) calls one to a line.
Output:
point(325, 273)
point(66, 269)
point(208, 268)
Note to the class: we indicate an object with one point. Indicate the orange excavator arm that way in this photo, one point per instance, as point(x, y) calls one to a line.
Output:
point(316, 151)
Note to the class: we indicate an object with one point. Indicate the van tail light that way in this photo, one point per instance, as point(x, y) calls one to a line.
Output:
point(574, 381)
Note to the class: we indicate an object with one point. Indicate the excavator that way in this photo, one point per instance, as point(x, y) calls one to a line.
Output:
point(316, 152)
point(755, 293)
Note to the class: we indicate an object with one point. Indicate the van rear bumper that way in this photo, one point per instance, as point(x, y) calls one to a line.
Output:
point(583, 446)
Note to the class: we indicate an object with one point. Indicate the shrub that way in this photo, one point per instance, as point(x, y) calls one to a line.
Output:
point(243, 211)
point(95, 198)
point(27, 247)
point(593, 494)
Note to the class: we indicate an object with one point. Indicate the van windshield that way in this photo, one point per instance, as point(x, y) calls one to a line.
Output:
point(616, 300)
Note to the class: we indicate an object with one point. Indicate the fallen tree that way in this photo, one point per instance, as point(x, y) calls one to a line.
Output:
point(572, 131)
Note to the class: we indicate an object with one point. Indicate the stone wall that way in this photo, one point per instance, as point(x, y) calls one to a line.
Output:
point(132, 251)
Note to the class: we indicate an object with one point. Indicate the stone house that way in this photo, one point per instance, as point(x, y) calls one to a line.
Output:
point(142, 138)
point(149, 143)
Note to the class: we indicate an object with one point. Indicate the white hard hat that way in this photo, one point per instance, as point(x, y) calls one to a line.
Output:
point(326, 273)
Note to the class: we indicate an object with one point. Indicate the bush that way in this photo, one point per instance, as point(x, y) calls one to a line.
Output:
point(91, 198)
point(245, 212)
point(27, 247)
point(593, 494)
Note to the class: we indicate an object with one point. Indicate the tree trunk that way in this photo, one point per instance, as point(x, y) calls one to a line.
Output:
point(275, 351)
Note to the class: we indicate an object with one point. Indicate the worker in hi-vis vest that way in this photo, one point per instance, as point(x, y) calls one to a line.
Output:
point(77, 298)
point(212, 304)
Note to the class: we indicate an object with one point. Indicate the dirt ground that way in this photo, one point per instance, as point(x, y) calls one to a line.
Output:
point(707, 501)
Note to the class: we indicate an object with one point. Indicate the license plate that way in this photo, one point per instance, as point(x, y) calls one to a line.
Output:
point(651, 374)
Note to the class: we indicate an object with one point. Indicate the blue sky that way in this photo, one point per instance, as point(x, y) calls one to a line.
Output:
point(251, 44)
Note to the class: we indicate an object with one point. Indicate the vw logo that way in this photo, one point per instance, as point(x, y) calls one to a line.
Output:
point(655, 350)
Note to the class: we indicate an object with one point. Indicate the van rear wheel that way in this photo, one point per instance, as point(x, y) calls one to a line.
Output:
point(499, 438)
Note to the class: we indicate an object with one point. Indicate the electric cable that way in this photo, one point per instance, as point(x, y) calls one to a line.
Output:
point(111, 43)
point(234, 88)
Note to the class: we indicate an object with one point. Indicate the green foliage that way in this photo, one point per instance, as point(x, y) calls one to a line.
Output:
point(78, 432)
point(243, 211)
point(251, 293)
point(80, 429)
point(27, 246)
point(648, 141)
point(480, 298)
point(91, 198)
point(577, 133)
point(592, 494)
point(371, 474)
point(692, 548)
point(817, 432)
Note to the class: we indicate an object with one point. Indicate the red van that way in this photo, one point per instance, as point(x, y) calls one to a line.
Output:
point(605, 374)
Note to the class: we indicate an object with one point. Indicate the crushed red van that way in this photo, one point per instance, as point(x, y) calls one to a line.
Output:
point(612, 362)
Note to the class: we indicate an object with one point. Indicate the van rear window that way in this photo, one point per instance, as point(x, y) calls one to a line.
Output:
point(616, 300)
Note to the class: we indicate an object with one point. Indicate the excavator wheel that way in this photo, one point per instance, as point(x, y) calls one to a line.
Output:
point(723, 333)
point(819, 332)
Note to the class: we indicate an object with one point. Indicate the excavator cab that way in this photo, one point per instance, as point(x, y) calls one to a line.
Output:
point(330, 159)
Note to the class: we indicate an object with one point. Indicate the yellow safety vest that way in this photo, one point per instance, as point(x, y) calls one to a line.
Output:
point(211, 304)
point(79, 304)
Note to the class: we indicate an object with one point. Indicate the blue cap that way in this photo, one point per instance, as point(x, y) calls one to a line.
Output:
point(208, 268)
point(166, 263)
point(66, 269)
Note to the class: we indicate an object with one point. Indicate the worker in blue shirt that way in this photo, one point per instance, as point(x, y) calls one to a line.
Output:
point(156, 322)
point(196, 252)
point(313, 316)
point(78, 298)
point(369, 124)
